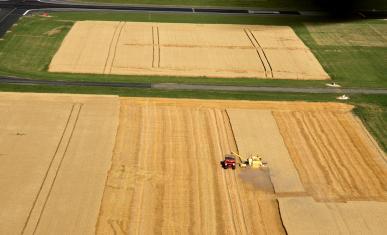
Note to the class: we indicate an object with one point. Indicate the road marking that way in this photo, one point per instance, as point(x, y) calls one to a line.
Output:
point(7, 15)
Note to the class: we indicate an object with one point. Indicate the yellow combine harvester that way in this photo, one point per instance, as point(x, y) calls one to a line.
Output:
point(254, 161)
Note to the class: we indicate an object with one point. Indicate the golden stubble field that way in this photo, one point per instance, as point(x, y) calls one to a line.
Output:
point(166, 177)
point(197, 50)
point(109, 165)
point(55, 151)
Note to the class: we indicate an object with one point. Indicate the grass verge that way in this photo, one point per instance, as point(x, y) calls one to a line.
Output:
point(374, 117)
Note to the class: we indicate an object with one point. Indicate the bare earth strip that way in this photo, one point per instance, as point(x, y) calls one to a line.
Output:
point(256, 131)
point(166, 176)
point(55, 153)
point(230, 51)
point(334, 156)
point(302, 215)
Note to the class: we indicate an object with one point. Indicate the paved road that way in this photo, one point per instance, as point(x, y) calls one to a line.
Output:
point(193, 87)
point(22, 7)
point(8, 17)
point(327, 90)
point(39, 4)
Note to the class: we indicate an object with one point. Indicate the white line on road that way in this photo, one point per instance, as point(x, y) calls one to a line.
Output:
point(7, 15)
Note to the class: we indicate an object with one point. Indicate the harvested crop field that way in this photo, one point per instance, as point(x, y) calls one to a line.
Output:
point(166, 177)
point(302, 215)
point(336, 158)
point(105, 165)
point(256, 131)
point(230, 51)
point(55, 151)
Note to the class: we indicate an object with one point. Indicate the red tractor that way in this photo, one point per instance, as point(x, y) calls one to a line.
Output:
point(229, 161)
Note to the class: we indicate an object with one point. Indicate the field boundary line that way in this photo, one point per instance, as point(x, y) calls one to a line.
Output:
point(110, 46)
point(231, 128)
point(60, 164)
point(112, 52)
point(280, 214)
point(256, 49)
point(230, 204)
point(236, 202)
point(228, 122)
point(153, 47)
point(158, 45)
point(48, 169)
point(264, 54)
point(370, 137)
point(42, 197)
point(115, 47)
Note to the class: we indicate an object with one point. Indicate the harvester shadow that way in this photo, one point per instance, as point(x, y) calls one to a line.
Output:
point(258, 179)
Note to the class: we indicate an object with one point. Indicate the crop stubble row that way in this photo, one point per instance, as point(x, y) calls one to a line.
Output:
point(334, 156)
point(342, 170)
point(163, 177)
point(165, 156)
point(137, 48)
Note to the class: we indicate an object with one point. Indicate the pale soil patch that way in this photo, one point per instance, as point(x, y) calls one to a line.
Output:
point(54, 31)
point(256, 131)
point(334, 155)
point(166, 176)
point(55, 151)
point(234, 51)
point(302, 215)
point(349, 34)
